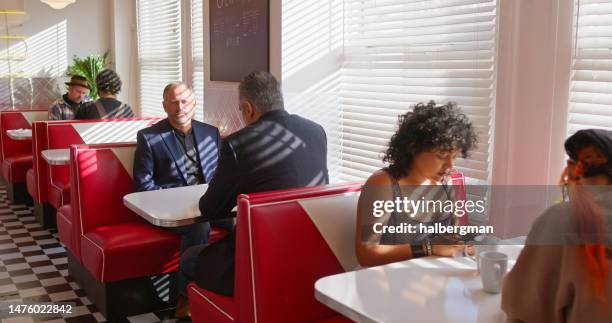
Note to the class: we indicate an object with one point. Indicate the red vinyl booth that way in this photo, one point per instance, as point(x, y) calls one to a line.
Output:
point(111, 245)
point(286, 241)
point(280, 253)
point(113, 242)
point(16, 155)
point(49, 185)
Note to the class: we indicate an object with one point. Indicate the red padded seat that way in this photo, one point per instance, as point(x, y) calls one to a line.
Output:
point(59, 193)
point(31, 183)
point(65, 228)
point(114, 243)
point(275, 271)
point(219, 308)
point(14, 168)
point(13, 153)
point(129, 250)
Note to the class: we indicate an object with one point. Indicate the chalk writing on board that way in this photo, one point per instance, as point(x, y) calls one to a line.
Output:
point(239, 38)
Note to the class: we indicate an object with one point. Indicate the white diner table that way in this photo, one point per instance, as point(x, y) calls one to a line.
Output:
point(56, 156)
point(169, 207)
point(430, 289)
point(20, 134)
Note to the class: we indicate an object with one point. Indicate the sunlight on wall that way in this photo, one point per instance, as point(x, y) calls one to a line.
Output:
point(46, 53)
point(38, 60)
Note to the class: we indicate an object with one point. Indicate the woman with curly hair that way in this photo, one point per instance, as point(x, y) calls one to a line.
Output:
point(107, 106)
point(420, 156)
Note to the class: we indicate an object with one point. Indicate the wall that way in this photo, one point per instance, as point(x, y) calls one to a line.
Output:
point(80, 29)
point(221, 98)
point(124, 49)
point(534, 58)
point(533, 77)
point(53, 38)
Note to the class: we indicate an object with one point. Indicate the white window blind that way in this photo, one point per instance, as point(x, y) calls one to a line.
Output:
point(197, 53)
point(590, 103)
point(159, 51)
point(401, 52)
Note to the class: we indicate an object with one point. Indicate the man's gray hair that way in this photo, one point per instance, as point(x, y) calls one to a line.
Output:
point(262, 90)
point(173, 85)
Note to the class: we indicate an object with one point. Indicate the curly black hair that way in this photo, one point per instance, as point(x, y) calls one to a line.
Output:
point(108, 81)
point(428, 127)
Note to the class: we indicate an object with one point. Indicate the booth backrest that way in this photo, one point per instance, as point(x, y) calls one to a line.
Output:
point(286, 240)
point(40, 167)
point(101, 176)
point(15, 120)
point(63, 133)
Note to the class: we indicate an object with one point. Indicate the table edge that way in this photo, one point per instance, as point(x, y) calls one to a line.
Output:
point(53, 161)
point(155, 221)
point(338, 307)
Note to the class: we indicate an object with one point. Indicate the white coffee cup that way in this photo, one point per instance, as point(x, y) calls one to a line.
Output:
point(481, 248)
point(493, 266)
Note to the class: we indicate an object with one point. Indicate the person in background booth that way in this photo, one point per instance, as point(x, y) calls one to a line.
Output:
point(177, 151)
point(107, 106)
point(276, 150)
point(421, 155)
point(563, 272)
point(71, 102)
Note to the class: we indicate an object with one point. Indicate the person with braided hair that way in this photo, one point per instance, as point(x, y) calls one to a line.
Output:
point(563, 273)
point(107, 106)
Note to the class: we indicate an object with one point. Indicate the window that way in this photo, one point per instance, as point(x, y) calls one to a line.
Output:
point(170, 49)
point(590, 103)
point(401, 52)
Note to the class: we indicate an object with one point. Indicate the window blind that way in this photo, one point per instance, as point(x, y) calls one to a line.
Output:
point(590, 103)
point(197, 53)
point(401, 52)
point(159, 51)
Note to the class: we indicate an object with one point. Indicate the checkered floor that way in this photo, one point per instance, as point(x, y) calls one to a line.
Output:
point(33, 268)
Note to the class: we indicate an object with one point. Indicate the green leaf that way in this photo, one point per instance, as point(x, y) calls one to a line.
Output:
point(89, 67)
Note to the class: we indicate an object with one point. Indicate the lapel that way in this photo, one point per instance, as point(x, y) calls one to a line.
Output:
point(204, 147)
point(172, 145)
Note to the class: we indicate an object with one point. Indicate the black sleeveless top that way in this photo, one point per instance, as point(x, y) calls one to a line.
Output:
point(429, 192)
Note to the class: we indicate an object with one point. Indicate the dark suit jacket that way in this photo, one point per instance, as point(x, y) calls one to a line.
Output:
point(279, 151)
point(158, 161)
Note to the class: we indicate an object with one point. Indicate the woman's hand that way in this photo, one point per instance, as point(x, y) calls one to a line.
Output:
point(451, 250)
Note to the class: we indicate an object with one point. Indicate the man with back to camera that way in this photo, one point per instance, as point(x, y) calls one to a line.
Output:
point(72, 101)
point(276, 150)
point(175, 152)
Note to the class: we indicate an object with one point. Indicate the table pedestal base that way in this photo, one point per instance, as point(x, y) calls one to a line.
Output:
point(45, 214)
point(17, 193)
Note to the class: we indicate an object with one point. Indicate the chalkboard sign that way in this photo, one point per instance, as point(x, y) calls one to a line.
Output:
point(239, 38)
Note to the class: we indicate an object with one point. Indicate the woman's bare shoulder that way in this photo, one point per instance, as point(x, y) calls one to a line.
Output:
point(379, 177)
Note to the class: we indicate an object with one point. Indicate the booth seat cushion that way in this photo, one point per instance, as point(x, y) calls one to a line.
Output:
point(59, 193)
point(129, 250)
point(31, 182)
point(14, 168)
point(211, 306)
point(65, 227)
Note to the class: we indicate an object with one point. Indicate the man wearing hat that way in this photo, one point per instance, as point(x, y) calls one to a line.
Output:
point(66, 107)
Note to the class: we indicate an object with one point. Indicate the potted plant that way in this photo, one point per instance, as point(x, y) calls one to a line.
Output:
point(89, 67)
